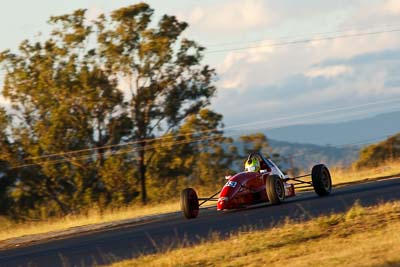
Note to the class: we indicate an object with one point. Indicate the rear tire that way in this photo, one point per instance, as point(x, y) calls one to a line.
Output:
point(275, 189)
point(321, 180)
point(189, 203)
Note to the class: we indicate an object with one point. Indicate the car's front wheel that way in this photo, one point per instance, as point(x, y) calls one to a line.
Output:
point(189, 203)
point(275, 189)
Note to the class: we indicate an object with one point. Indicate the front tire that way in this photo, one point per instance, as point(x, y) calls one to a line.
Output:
point(321, 180)
point(275, 189)
point(189, 203)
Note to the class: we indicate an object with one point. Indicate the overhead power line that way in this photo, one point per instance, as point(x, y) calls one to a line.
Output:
point(171, 142)
point(309, 35)
point(241, 126)
point(279, 122)
point(152, 147)
point(120, 152)
point(302, 41)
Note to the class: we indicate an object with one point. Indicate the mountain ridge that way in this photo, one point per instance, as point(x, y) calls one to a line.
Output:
point(355, 132)
point(304, 156)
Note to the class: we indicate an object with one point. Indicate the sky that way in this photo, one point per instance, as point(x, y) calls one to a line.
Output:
point(308, 60)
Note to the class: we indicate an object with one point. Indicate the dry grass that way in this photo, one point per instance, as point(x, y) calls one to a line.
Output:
point(9, 229)
point(360, 237)
point(340, 175)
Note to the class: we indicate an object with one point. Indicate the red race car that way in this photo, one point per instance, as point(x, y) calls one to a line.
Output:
point(262, 181)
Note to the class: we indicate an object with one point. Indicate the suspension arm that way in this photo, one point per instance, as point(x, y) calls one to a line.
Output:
point(212, 198)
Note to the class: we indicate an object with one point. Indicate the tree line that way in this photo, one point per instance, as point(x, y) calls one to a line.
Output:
point(109, 112)
point(375, 154)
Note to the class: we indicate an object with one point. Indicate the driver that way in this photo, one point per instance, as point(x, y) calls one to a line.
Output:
point(252, 165)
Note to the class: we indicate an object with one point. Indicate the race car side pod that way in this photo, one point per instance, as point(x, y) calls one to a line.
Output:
point(298, 182)
point(212, 198)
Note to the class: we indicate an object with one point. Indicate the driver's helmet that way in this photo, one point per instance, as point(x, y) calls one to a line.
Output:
point(252, 165)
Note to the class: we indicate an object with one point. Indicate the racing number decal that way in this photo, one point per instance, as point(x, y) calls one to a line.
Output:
point(231, 183)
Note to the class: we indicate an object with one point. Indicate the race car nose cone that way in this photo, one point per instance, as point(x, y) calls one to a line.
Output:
point(221, 204)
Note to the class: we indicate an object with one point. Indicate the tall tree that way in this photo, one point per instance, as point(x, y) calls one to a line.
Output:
point(93, 84)
point(162, 70)
point(6, 159)
point(197, 154)
point(63, 101)
point(255, 143)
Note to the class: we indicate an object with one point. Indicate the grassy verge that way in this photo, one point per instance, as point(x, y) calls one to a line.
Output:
point(9, 229)
point(360, 237)
point(341, 175)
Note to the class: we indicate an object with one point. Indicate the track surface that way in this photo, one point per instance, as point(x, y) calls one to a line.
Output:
point(130, 241)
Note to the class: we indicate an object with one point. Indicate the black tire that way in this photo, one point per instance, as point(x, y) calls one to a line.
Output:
point(321, 180)
point(275, 189)
point(189, 203)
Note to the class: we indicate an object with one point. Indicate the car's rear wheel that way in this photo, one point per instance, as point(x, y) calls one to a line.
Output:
point(275, 189)
point(189, 203)
point(321, 180)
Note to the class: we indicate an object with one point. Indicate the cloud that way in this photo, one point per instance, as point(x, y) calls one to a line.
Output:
point(229, 17)
point(391, 7)
point(365, 58)
point(224, 21)
point(330, 83)
point(329, 72)
point(266, 64)
point(380, 13)
point(269, 66)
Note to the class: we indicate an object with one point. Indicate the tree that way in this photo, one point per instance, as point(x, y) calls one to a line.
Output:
point(96, 85)
point(6, 151)
point(375, 154)
point(63, 101)
point(258, 142)
point(255, 143)
point(163, 71)
point(197, 154)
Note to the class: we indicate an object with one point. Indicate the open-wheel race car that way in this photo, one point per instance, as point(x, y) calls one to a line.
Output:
point(262, 181)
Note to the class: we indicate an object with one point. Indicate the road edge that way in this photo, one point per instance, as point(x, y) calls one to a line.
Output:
point(24, 241)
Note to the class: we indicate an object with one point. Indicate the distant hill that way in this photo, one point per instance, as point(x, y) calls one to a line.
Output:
point(304, 156)
point(357, 131)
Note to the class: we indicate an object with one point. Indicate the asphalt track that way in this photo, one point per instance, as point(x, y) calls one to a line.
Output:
point(152, 236)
